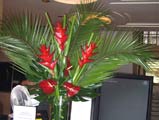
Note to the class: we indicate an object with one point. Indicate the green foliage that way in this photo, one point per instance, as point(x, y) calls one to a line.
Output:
point(116, 48)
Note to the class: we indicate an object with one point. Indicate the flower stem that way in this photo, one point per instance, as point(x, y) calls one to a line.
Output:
point(60, 109)
point(69, 37)
point(78, 75)
point(75, 75)
point(90, 39)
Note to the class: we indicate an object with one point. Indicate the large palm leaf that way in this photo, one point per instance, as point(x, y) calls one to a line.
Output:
point(23, 35)
point(88, 18)
point(117, 48)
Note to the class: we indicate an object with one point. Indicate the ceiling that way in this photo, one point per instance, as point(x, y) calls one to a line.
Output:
point(126, 13)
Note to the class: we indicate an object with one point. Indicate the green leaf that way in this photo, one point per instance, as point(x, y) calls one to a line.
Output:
point(115, 49)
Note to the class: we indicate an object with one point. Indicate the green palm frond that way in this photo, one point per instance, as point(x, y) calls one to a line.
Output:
point(99, 72)
point(89, 18)
point(24, 36)
point(117, 43)
point(27, 28)
point(116, 48)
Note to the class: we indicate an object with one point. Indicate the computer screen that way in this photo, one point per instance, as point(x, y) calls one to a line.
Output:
point(124, 98)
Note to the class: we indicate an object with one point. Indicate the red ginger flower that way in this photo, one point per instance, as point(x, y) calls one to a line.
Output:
point(71, 89)
point(47, 57)
point(50, 65)
point(45, 54)
point(48, 86)
point(60, 35)
point(87, 54)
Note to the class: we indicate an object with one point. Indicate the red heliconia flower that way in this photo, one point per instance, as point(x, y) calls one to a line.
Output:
point(44, 49)
point(68, 67)
point(71, 89)
point(45, 54)
point(60, 35)
point(47, 57)
point(50, 65)
point(87, 53)
point(48, 86)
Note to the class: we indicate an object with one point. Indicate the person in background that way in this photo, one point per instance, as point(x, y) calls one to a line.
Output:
point(27, 82)
point(43, 108)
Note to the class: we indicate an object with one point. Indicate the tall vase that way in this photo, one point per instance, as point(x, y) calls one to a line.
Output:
point(60, 109)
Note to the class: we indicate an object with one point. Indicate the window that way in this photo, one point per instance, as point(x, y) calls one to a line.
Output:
point(152, 38)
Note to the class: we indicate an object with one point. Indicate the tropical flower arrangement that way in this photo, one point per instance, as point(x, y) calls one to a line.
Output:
point(69, 59)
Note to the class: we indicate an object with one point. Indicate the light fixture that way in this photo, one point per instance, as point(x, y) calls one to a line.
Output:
point(45, 0)
point(75, 1)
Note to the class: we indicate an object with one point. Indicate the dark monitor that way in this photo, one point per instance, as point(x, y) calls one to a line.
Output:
point(124, 97)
